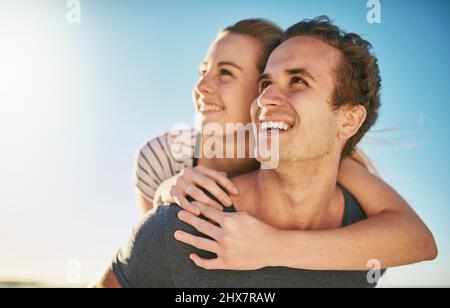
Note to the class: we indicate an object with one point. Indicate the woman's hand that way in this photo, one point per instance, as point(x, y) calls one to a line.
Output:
point(188, 183)
point(240, 240)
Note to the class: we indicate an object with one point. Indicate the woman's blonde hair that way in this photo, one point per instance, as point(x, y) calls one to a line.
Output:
point(360, 157)
point(264, 31)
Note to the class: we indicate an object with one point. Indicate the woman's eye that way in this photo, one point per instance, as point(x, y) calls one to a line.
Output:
point(225, 72)
point(202, 73)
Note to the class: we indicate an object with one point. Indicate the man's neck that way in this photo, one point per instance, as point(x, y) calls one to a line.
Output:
point(300, 195)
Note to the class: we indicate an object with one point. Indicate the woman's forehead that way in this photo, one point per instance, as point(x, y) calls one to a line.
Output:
point(239, 49)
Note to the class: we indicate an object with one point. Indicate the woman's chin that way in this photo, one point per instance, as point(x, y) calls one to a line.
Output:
point(211, 118)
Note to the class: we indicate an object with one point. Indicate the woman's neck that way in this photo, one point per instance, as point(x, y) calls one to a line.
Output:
point(232, 161)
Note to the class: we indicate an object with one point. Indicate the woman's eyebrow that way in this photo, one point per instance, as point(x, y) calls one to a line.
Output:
point(230, 63)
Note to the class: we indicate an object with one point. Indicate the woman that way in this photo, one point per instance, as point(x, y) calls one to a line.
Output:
point(224, 93)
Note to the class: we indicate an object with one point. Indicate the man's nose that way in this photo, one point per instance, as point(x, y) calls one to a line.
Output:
point(206, 85)
point(270, 97)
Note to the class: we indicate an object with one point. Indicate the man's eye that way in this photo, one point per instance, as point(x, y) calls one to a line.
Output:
point(264, 85)
point(298, 80)
point(225, 72)
point(202, 73)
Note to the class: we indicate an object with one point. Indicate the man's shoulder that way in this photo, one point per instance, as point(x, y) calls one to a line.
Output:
point(164, 214)
point(142, 262)
point(165, 217)
point(353, 211)
point(153, 233)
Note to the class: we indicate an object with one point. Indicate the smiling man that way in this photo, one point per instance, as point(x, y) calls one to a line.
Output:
point(319, 95)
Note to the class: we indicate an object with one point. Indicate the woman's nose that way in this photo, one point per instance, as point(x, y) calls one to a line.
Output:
point(206, 85)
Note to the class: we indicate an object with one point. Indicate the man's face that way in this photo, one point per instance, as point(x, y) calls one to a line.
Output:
point(296, 89)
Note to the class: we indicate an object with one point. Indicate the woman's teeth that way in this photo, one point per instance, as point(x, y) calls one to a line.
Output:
point(274, 125)
point(210, 108)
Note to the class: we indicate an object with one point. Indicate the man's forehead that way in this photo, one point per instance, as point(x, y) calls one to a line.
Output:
point(304, 52)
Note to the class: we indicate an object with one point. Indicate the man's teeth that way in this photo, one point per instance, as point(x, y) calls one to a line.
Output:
point(210, 108)
point(274, 125)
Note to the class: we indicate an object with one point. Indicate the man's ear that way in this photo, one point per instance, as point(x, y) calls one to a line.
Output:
point(353, 118)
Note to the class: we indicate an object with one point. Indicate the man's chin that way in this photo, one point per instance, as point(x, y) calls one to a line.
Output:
point(267, 163)
point(269, 152)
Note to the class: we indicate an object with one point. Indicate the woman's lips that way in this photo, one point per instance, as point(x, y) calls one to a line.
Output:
point(210, 108)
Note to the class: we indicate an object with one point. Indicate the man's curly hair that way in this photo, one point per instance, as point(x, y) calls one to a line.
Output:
point(358, 76)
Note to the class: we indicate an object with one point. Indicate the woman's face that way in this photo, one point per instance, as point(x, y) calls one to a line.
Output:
point(228, 81)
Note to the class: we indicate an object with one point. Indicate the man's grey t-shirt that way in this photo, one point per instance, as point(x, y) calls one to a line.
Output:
point(153, 258)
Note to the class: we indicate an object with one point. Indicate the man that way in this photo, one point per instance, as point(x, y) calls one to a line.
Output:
point(320, 94)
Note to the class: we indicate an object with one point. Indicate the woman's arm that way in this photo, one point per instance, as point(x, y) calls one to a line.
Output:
point(193, 183)
point(159, 182)
point(144, 204)
point(392, 234)
point(148, 174)
point(153, 165)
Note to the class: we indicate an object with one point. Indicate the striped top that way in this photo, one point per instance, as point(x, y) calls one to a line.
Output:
point(162, 158)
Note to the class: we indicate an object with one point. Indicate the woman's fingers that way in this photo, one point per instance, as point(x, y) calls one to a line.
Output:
point(201, 225)
point(221, 178)
point(188, 184)
point(180, 199)
point(199, 195)
point(210, 213)
point(211, 186)
point(197, 242)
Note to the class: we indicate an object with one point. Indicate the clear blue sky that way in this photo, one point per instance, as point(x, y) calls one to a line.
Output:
point(77, 101)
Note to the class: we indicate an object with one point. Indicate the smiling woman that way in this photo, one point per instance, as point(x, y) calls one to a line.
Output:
point(221, 81)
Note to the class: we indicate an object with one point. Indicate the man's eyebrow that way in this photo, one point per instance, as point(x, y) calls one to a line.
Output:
point(293, 71)
point(230, 63)
point(300, 71)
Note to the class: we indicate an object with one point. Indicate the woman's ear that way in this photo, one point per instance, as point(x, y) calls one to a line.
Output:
point(353, 118)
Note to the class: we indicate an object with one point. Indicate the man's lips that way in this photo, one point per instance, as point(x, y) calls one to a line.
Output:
point(274, 125)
